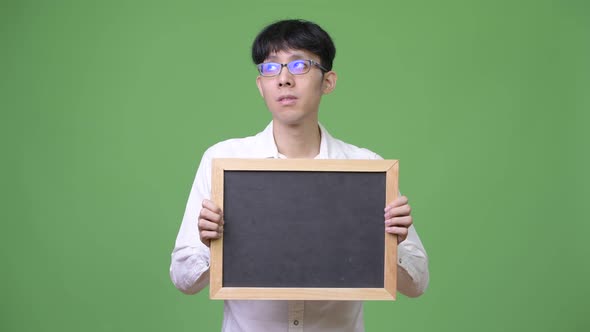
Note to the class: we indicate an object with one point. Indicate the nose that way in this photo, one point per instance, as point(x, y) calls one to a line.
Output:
point(285, 78)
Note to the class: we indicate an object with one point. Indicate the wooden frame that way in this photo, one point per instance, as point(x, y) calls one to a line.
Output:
point(387, 292)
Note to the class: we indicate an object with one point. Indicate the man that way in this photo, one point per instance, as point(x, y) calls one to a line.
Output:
point(294, 59)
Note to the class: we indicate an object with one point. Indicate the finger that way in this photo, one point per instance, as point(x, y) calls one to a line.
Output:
point(211, 216)
point(402, 200)
point(206, 225)
point(399, 211)
point(210, 205)
point(207, 236)
point(402, 232)
point(399, 221)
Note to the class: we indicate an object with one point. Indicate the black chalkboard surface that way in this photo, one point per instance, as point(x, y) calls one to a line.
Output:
point(303, 229)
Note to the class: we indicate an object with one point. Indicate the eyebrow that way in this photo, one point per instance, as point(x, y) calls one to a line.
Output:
point(292, 57)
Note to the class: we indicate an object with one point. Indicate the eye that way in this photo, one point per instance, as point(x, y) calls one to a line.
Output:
point(270, 67)
point(299, 66)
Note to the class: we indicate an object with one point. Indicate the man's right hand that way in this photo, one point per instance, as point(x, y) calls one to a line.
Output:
point(210, 222)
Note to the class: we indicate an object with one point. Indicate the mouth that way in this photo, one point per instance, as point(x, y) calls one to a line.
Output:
point(287, 100)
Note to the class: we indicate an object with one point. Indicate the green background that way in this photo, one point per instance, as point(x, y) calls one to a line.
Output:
point(107, 107)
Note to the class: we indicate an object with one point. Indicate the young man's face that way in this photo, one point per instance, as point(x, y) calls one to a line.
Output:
point(295, 99)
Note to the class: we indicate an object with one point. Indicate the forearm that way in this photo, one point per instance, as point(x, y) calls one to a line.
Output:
point(189, 267)
point(412, 266)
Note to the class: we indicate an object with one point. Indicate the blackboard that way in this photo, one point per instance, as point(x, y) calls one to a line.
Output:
point(303, 229)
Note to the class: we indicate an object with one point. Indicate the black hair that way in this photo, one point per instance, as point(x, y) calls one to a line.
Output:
point(296, 35)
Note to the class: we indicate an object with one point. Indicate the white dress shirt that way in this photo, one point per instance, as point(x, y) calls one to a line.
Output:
point(189, 268)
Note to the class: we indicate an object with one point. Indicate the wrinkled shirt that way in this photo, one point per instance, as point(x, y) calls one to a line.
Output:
point(189, 269)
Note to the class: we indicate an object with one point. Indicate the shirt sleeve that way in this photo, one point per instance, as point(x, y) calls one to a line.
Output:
point(412, 265)
point(189, 268)
point(413, 275)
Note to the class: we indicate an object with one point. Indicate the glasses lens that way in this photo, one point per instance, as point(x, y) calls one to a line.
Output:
point(299, 67)
point(269, 68)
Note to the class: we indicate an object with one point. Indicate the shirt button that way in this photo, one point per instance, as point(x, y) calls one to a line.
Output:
point(295, 322)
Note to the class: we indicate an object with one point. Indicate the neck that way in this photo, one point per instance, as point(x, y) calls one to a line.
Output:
point(298, 141)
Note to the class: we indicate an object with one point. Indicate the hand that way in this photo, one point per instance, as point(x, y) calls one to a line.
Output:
point(398, 218)
point(210, 222)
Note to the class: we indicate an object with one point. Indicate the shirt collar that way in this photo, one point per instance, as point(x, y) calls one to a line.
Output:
point(270, 150)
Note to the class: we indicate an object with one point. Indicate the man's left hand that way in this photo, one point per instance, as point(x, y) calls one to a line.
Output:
point(398, 218)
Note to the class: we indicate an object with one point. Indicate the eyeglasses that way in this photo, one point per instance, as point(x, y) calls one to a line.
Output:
point(295, 67)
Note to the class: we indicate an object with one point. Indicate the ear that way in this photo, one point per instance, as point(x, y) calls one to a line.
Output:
point(329, 83)
point(259, 86)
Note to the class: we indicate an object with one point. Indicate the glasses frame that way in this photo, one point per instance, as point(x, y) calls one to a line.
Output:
point(311, 62)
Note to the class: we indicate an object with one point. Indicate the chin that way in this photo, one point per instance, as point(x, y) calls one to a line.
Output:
point(290, 116)
point(287, 121)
